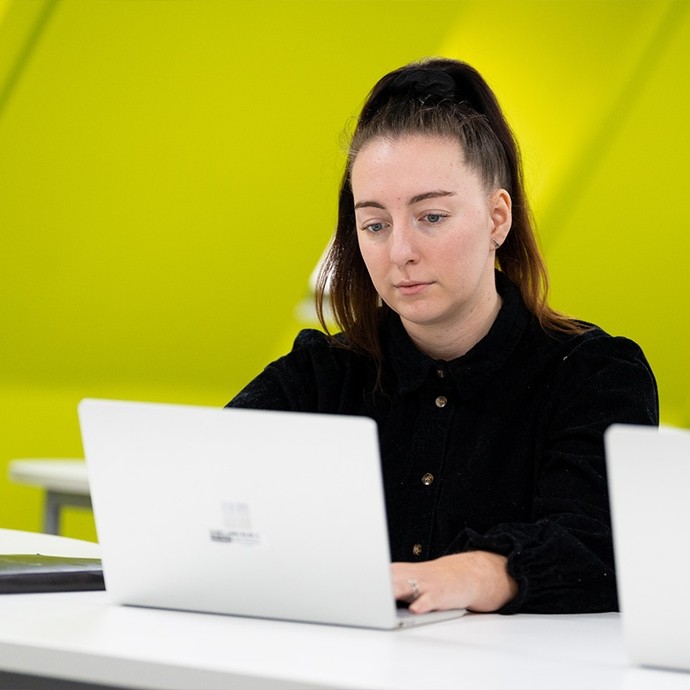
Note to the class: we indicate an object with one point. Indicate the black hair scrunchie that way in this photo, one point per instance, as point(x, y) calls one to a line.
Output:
point(423, 85)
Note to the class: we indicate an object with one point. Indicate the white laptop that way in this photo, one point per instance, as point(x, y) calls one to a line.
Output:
point(244, 512)
point(649, 484)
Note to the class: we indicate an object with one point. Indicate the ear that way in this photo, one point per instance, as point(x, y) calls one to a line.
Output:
point(501, 214)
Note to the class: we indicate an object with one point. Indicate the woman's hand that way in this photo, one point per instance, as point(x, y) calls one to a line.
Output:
point(475, 580)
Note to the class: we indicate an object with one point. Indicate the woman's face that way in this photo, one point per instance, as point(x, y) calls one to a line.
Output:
point(425, 225)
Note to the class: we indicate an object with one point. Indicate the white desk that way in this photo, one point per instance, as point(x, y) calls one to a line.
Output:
point(14, 541)
point(64, 481)
point(82, 637)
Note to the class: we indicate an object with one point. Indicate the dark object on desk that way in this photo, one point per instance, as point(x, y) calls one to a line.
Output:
point(23, 573)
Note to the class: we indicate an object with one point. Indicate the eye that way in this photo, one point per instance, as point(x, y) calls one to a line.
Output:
point(374, 227)
point(434, 218)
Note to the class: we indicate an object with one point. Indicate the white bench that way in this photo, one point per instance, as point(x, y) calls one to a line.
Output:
point(65, 482)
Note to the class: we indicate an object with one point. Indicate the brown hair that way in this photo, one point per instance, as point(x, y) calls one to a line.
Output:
point(446, 98)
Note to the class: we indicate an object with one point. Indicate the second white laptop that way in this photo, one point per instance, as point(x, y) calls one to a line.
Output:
point(244, 512)
point(649, 483)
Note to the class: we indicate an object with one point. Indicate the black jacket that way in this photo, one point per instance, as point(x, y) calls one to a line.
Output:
point(500, 450)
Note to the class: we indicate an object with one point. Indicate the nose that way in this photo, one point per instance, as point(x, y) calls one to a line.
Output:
point(403, 246)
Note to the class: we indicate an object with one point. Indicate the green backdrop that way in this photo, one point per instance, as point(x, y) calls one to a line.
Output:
point(168, 173)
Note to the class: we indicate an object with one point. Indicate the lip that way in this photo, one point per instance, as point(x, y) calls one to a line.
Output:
point(411, 287)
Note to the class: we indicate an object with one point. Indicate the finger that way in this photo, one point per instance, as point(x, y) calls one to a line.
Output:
point(414, 589)
point(406, 589)
point(405, 584)
point(424, 603)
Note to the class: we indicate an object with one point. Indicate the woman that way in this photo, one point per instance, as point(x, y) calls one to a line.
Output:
point(491, 406)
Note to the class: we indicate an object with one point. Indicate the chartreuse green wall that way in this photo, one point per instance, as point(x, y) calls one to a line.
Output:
point(168, 173)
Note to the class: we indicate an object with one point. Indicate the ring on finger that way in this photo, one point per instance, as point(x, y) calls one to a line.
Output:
point(415, 588)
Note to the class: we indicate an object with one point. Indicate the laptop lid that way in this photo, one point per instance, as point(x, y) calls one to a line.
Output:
point(649, 481)
point(244, 512)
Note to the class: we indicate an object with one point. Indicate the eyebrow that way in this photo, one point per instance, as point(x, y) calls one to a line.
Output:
point(413, 200)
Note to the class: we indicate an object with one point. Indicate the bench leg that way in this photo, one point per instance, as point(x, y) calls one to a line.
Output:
point(51, 513)
point(54, 502)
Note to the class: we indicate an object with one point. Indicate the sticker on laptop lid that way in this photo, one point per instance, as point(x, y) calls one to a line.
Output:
point(236, 525)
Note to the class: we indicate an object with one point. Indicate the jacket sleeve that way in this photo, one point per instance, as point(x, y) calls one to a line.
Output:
point(563, 559)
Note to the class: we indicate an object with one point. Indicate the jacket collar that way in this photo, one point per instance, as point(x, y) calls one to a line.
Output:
point(409, 368)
